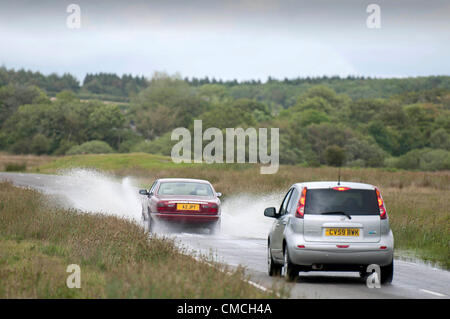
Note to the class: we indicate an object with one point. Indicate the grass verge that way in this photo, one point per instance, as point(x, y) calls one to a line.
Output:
point(117, 259)
point(18, 163)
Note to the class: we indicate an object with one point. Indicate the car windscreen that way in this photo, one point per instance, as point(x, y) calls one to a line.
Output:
point(185, 188)
point(350, 201)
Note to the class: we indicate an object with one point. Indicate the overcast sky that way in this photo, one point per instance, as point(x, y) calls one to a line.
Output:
point(247, 39)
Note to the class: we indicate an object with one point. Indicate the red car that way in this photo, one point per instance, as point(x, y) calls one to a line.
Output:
point(181, 201)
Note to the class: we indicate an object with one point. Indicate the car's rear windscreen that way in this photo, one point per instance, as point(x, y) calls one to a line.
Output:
point(351, 201)
point(185, 188)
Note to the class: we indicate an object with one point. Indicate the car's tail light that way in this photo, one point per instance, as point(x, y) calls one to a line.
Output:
point(341, 189)
point(210, 208)
point(301, 205)
point(164, 206)
point(383, 213)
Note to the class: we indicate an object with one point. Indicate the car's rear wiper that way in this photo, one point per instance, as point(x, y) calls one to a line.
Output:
point(337, 213)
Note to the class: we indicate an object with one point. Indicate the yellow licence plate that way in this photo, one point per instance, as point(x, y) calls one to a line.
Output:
point(342, 232)
point(188, 207)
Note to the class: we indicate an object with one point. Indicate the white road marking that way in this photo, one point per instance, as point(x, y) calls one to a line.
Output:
point(257, 286)
point(433, 292)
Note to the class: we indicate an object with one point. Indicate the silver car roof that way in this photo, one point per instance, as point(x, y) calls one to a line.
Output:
point(330, 184)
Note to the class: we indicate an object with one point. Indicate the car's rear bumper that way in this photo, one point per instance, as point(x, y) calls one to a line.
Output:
point(186, 218)
point(380, 253)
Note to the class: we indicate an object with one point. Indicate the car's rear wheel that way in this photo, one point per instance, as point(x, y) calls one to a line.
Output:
point(273, 268)
point(290, 271)
point(387, 273)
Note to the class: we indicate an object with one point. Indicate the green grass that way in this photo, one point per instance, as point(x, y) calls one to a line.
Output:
point(117, 259)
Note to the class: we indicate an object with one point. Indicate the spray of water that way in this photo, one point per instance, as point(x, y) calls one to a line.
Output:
point(243, 215)
point(92, 191)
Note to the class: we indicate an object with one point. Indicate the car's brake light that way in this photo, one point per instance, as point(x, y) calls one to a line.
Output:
point(164, 206)
point(211, 208)
point(383, 213)
point(341, 189)
point(301, 205)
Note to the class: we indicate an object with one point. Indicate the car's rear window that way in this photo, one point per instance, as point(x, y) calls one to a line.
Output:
point(185, 188)
point(351, 201)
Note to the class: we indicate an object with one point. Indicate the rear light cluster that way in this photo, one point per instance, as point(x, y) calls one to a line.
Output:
point(383, 213)
point(210, 208)
point(301, 205)
point(165, 206)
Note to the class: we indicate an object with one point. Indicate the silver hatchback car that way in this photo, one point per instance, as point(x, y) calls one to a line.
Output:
point(330, 226)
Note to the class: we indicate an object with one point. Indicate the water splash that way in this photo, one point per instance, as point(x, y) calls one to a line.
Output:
point(243, 215)
point(91, 191)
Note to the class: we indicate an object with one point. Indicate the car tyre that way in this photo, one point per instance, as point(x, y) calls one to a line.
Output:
point(290, 271)
point(273, 268)
point(387, 273)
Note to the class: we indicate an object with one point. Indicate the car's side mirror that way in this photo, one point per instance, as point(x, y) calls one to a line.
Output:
point(218, 194)
point(144, 192)
point(271, 212)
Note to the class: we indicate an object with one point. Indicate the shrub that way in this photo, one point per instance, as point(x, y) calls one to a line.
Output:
point(440, 139)
point(64, 146)
point(335, 155)
point(20, 147)
point(161, 145)
point(91, 147)
point(425, 159)
point(40, 144)
point(360, 149)
point(15, 167)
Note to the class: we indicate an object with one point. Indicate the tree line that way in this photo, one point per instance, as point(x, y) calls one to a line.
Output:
point(325, 122)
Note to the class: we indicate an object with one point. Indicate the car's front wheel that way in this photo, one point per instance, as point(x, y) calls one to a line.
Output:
point(290, 271)
point(273, 269)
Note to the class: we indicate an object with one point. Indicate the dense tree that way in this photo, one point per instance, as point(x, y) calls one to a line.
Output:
point(168, 98)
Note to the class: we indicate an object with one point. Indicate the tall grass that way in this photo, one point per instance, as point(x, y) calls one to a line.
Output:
point(117, 259)
point(11, 163)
